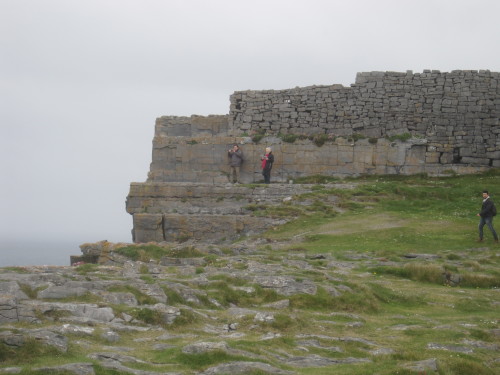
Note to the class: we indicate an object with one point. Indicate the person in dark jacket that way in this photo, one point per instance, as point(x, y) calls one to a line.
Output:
point(235, 156)
point(486, 215)
point(267, 165)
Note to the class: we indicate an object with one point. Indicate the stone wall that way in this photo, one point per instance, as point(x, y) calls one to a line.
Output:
point(204, 160)
point(458, 112)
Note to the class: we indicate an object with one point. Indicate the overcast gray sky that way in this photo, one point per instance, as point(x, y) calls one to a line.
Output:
point(81, 83)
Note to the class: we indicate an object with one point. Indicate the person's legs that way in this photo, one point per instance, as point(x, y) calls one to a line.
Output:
point(232, 174)
point(237, 174)
point(489, 223)
point(267, 177)
point(480, 227)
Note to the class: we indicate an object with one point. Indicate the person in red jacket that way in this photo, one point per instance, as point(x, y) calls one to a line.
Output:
point(488, 210)
point(267, 165)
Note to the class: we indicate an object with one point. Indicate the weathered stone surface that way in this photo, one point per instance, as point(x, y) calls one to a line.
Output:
point(12, 288)
point(115, 357)
point(73, 368)
point(480, 344)
point(286, 285)
point(318, 361)
point(153, 290)
point(121, 369)
point(12, 310)
point(50, 338)
point(264, 317)
point(58, 292)
point(423, 366)
point(120, 298)
point(169, 313)
point(8, 309)
point(451, 348)
point(382, 351)
point(283, 304)
point(316, 344)
point(239, 312)
point(76, 330)
point(12, 339)
point(243, 368)
point(10, 370)
point(90, 312)
point(202, 347)
point(166, 261)
point(110, 336)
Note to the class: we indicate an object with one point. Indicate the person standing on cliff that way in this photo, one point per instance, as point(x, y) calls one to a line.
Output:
point(235, 156)
point(267, 165)
point(488, 210)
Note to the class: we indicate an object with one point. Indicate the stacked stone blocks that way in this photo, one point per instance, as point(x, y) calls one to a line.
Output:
point(458, 112)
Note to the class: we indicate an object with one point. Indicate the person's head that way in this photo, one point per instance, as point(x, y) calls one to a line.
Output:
point(268, 150)
point(485, 193)
point(235, 147)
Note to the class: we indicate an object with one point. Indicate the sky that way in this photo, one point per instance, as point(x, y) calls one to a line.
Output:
point(82, 82)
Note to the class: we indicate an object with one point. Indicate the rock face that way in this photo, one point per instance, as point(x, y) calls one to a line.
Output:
point(439, 122)
point(203, 212)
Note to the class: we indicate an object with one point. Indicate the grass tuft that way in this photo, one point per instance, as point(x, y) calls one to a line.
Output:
point(145, 253)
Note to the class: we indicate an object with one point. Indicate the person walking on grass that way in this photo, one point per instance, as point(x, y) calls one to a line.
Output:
point(488, 211)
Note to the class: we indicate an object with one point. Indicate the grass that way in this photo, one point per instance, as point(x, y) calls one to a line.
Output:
point(360, 301)
point(402, 137)
point(29, 291)
point(148, 316)
point(146, 252)
point(33, 353)
point(142, 298)
point(381, 256)
point(197, 361)
point(226, 295)
point(15, 269)
point(411, 213)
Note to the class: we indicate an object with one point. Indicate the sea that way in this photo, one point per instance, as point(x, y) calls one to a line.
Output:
point(18, 253)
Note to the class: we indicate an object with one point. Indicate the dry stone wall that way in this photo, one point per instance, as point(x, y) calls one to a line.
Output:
point(457, 113)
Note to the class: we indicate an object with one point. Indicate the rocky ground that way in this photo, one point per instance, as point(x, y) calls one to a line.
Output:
point(249, 308)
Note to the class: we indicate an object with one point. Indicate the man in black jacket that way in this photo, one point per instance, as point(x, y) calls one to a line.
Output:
point(486, 214)
point(235, 156)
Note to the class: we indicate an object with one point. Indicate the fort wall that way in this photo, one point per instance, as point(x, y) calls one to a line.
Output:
point(457, 113)
point(385, 123)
